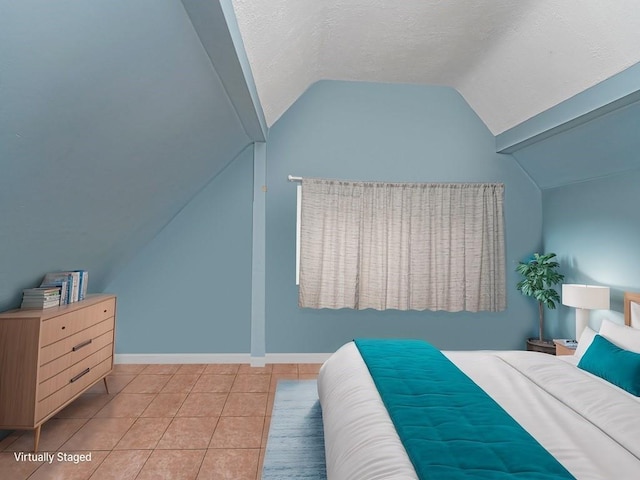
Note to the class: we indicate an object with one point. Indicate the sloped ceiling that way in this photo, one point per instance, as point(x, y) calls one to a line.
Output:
point(606, 145)
point(510, 60)
point(112, 117)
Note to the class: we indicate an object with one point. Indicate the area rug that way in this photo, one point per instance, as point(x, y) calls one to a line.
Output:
point(295, 446)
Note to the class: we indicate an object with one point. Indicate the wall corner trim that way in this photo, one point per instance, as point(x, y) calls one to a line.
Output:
point(258, 361)
point(217, 28)
point(258, 256)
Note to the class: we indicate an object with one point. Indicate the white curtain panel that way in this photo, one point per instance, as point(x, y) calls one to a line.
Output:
point(404, 246)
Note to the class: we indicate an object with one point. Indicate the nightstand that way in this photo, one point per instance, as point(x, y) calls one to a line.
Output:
point(562, 349)
point(535, 345)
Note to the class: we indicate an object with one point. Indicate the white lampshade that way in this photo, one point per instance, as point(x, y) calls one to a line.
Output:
point(584, 298)
point(589, 297)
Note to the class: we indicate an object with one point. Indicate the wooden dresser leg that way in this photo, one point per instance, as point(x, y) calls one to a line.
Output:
point(106, 387)
point(36, 439)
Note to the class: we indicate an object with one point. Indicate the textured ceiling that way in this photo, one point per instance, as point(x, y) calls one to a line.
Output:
point(510, 60)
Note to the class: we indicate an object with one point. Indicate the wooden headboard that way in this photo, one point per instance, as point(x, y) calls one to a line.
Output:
point(628, 298)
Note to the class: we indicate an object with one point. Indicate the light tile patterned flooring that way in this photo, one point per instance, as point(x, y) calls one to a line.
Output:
point(179, 422)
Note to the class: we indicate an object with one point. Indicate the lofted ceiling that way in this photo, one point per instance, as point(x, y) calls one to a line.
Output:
point(510, 60)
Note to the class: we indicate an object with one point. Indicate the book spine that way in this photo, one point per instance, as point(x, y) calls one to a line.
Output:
point(85, 283)
point(69, 288)
point(45, 293)
point(40, 304)
point(51, 301)
point(82, 286)
point(55, 296)
point(80, 282)
point(76, 286)
point(63, 292)
point(40, 290)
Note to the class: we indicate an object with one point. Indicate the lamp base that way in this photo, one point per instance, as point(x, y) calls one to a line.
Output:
point(582, 321)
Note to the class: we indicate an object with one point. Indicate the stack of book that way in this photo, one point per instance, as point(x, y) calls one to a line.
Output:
point(42, 297)
point(569, 343)
point(72, 284)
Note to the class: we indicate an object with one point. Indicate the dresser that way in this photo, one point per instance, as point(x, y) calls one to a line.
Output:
point(50, 357)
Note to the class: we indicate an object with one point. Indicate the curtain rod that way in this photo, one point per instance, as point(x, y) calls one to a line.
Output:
point(291, 178)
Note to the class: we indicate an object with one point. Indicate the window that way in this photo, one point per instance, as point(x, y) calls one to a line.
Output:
point(405, 246)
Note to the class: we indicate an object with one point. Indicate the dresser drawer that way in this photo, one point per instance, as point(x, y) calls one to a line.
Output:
point(53, 402)
point(74, 373)
point(82, 350)
point(56, 350)
point(63, 326)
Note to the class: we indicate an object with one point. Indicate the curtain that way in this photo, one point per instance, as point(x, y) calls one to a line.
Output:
point(404, 246)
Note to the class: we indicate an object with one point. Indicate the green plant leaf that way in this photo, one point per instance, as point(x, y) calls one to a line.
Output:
point(540, 275)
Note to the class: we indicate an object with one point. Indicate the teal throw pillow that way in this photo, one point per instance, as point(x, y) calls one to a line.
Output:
point(612, 363)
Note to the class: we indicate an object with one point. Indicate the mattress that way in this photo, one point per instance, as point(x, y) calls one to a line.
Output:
point(590, 426)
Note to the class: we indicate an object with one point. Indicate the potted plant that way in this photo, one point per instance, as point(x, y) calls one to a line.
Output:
point(540, 275)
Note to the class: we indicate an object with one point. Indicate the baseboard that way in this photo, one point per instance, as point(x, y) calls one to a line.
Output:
point(297, 357)
point(221, 358)
point(182, 358)
point(258, 361)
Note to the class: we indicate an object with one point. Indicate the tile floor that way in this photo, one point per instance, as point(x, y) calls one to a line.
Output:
point(177, 422)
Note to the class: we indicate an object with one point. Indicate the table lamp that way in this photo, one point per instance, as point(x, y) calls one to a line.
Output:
point(584, 298)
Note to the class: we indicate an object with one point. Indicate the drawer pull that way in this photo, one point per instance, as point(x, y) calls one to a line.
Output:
point(81, 344)
point(82, 373)
point(63, 327)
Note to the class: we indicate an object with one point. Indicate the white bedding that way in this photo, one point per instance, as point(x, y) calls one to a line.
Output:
point(590, 426)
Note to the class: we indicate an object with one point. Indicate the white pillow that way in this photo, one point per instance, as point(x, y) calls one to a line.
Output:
point(635, 315)
point(627, 338)
point(587, 336)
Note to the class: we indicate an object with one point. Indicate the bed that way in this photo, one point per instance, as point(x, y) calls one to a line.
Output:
point(590, 426)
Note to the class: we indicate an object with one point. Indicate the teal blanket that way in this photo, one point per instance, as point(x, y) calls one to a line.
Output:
point(449, 426)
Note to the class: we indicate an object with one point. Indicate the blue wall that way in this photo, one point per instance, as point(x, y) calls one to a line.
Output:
point(112, 117)
point(594, 228)
point(365, 131)
point(189, 290)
